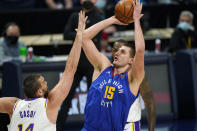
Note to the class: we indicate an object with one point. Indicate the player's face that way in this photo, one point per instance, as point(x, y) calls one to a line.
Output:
point(44, 87)
point(122, 57)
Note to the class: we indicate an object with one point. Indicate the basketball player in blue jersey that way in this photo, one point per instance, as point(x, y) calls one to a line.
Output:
point(115, 87)
point(147, 96)
point(38, 112)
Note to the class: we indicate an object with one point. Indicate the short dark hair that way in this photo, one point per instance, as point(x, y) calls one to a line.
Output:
point(122, 42)
point(7, 26)
point(31, 85)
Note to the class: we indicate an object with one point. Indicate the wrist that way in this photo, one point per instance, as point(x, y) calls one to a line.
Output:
point(136, 20)
point(112, 20)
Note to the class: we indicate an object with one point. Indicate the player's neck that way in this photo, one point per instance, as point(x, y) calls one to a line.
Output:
point(118, 70)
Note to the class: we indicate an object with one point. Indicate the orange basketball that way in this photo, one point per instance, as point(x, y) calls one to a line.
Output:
point(124, 11)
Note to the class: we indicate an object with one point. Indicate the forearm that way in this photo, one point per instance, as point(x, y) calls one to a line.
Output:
point(64, 85)
point(95, 29)
point(138, 63)
point(73, 58)
point(147, 95)
point(151, 116)
point(139, 37)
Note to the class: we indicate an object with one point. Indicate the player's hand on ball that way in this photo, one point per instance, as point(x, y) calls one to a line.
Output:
point(116, 21)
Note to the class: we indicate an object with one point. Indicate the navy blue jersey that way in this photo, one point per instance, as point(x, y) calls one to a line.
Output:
point(108, 102)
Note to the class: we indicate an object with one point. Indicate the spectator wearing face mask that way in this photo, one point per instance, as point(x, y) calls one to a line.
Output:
point(184, 36)
point(9, 43)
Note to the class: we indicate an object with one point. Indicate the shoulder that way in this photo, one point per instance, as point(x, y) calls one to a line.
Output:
point(1, 41)
point(11, 100)
point(107, 70)
point(193, 33)
point(73, 18)
point(7, 104)
point(178, 31)
point(74, 15)
point(100, 73)
point(41, 100)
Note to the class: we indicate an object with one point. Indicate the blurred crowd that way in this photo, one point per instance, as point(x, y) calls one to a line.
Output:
point(60, 4)
point(183, 37)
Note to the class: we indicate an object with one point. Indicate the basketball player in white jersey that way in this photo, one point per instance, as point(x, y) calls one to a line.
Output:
point(38, 112)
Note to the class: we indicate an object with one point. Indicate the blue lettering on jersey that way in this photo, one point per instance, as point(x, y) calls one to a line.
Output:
point(27, 114)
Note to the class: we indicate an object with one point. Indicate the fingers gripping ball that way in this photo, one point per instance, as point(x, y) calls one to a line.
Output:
point(124, 11)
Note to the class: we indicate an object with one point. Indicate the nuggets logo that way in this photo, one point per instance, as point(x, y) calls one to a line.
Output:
point(122, 76)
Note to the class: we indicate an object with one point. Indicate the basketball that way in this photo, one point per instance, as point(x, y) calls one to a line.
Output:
point(124, 11)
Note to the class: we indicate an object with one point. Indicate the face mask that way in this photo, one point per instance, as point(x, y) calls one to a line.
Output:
point(12, 39)
point(88, 5)
point(185, 26)
point(100, 4)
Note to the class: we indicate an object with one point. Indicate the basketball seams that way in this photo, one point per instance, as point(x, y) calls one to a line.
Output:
point(130, 10)
point(124, 8)
point(124, 16)
point(124, 11)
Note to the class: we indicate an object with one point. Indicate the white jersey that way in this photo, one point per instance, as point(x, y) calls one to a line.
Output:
point(30, 115)
point(135, 111)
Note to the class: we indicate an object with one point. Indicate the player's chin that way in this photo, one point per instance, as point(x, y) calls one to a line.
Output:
point(115, 63)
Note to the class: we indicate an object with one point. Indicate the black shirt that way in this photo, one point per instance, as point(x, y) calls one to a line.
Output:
point(69, 32)
point(182, 40)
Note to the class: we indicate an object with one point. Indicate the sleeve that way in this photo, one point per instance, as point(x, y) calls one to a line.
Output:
point(175, 41)
point(2, 52)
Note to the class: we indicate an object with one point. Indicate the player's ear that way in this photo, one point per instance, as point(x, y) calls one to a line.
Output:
point(130, 61)
point(39, 92)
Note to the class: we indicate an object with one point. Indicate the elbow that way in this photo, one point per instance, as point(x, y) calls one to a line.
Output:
point(151, 107)
point(140, 49)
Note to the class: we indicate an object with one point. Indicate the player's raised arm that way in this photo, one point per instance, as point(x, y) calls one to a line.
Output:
point(7, 105)
point(137, 72)
point(97, 59)
point(61, 90)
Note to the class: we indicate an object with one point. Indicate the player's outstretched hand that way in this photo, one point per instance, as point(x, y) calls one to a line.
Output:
point(81, 24)
point(82, 21)
point(137, 10)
